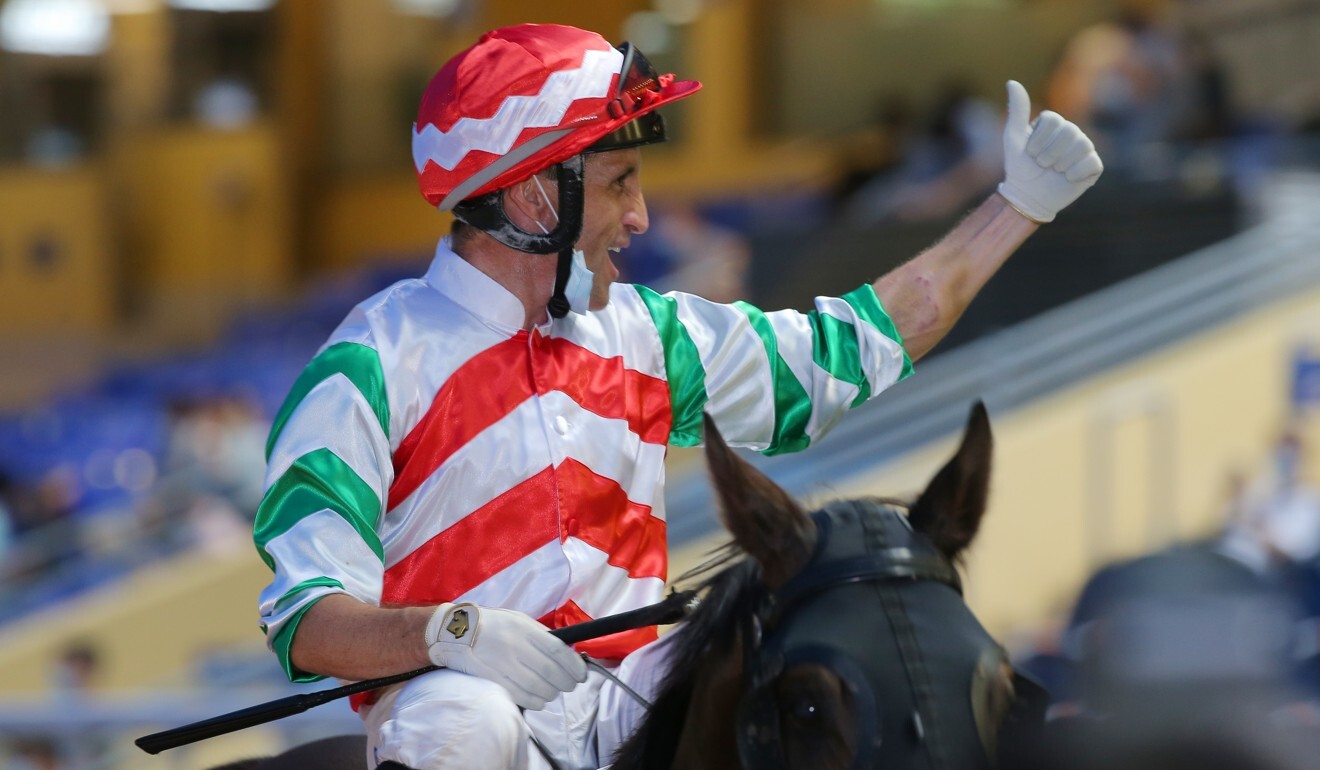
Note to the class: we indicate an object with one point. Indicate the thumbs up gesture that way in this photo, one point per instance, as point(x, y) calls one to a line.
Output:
point(1048, 164)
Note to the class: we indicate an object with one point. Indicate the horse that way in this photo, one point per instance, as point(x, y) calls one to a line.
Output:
point(834, 639)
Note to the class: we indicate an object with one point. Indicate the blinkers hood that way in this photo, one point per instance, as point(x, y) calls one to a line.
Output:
point(910, 659)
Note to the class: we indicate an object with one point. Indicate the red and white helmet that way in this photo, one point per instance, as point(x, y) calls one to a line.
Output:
point(526, 97)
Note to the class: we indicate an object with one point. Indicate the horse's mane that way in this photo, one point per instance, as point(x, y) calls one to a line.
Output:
point(732, 588)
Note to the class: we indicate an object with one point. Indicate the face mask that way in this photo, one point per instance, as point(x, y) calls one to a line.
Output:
point(580, 279)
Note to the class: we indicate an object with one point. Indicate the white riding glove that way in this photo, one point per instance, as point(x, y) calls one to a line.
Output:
point(504, 647)
point(1047, 164)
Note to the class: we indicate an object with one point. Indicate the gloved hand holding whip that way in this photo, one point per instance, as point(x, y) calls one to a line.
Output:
point(505, 647)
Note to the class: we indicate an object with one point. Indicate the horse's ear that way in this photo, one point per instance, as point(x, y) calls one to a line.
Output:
point(765, 521)
point(949, 511)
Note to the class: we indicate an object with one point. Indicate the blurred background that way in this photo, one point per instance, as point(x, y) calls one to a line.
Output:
point(193, 192)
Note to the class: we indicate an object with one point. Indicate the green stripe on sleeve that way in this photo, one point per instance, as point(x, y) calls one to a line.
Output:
point(867, 305)
point(683, 370)
point(319, 480)
point(792, 403)
point(359, 363)
point(283, 643)
point(834, 349)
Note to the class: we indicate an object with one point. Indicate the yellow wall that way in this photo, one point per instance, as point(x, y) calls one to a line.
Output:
point(149, 627)
point(209, 221)
point(75, 288)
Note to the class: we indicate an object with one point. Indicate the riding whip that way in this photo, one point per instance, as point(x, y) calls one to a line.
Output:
point(673, 608)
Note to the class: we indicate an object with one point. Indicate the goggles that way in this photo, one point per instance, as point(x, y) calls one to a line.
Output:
point(639, 85)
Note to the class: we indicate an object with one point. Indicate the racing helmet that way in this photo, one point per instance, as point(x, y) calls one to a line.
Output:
point(524, 99)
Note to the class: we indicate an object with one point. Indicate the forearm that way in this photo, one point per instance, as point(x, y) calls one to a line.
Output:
point(345, 638)
point(926, 295)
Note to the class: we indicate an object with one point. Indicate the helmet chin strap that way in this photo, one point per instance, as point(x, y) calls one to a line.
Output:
point(558, 304)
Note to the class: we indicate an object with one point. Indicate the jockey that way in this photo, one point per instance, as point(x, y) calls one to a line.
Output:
point(477, 455)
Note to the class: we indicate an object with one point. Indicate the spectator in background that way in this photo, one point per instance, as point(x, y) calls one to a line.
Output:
point(1289, 504)
point(1123, 79)
point(77, 669)
point(956, 159)
point(876, 150)
point(1207, 113)
point(41, 514)
point(213, 474)
point(216, 446)
point(1286, 507)
point(52, 497)
point(34, 754)
point(76, 677)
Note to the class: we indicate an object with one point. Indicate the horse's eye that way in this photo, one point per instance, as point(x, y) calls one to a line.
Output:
point(804, 710)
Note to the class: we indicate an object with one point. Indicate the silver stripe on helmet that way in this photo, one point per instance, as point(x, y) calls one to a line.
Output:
point(500, 165)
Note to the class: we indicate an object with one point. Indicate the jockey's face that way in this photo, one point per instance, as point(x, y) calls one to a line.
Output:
point(614, 211)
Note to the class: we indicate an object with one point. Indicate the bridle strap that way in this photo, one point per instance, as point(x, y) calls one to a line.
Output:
point(914, 666)
point(887, 565)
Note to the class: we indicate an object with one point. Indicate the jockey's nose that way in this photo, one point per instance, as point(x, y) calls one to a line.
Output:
point(635, 218)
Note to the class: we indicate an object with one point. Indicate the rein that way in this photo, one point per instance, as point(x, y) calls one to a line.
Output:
point(671, 609)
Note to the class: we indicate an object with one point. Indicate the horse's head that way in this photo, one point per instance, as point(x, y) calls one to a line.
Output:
point(856, 650)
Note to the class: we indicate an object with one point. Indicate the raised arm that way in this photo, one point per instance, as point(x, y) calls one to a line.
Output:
point(1047, 165)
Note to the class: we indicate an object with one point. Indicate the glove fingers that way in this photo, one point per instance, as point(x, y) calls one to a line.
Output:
point(559, 661)
point(539, 681)
point(557, 653)
point(1088, 168)
point(524, 697)
point(1070, 147)
point(1044, 134)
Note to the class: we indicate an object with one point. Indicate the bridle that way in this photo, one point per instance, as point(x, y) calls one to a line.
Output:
point(890, 661)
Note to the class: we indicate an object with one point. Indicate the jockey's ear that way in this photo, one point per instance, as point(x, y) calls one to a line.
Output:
point(765, 521)
point(949, 511)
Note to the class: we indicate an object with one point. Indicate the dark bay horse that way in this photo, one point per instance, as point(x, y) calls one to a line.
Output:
point(829, 640)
